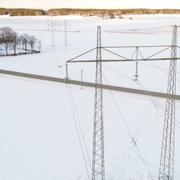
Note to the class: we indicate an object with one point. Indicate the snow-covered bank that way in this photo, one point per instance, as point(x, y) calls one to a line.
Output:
point(38, 137)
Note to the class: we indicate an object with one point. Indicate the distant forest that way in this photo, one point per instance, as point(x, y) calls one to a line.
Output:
point(84, 12)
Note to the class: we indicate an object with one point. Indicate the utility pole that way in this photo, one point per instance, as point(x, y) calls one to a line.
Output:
point(81, 78)
point(53, 26)
point(166, 169)
point(65, 33)
point(98, 167)
point(137, 63)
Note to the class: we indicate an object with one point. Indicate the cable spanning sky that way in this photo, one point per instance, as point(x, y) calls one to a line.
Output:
point(46, 4)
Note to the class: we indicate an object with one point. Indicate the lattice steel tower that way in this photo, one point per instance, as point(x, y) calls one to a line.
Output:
point(166, 169)
point(98, 168)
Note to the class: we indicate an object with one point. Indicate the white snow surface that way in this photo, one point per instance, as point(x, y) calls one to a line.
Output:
point(38, 136)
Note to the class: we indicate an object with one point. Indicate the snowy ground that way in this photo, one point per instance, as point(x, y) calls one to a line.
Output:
point(38, 136)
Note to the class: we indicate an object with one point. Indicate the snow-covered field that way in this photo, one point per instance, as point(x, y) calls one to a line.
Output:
point(38, 135)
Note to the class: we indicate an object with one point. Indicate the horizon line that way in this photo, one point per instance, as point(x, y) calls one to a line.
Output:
point(1, 7)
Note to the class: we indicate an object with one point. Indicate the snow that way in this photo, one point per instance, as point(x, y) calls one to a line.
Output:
point(38, 137)
point(117, 4)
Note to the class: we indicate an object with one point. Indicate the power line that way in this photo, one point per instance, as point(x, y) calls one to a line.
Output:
point(136, 137)
point(133, 140)
point(78, 130)
point(79, 124)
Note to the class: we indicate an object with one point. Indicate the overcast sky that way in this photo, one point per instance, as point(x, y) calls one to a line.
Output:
point(91, 3)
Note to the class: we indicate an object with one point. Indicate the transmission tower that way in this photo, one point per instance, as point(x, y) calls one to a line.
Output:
point(166, 169)
point(98, 168)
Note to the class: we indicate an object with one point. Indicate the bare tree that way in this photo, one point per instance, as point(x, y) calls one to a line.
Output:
point(39, 45)
point(32, 41)
point(14, 42)
point(24, 40)
point(8, 38)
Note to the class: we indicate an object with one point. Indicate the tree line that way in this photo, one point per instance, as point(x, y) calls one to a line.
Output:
point(13, 44)
point(83, 12)
point(110, 12)
point(22, 12)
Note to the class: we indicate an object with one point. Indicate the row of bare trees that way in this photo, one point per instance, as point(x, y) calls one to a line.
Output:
point(13, 44)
